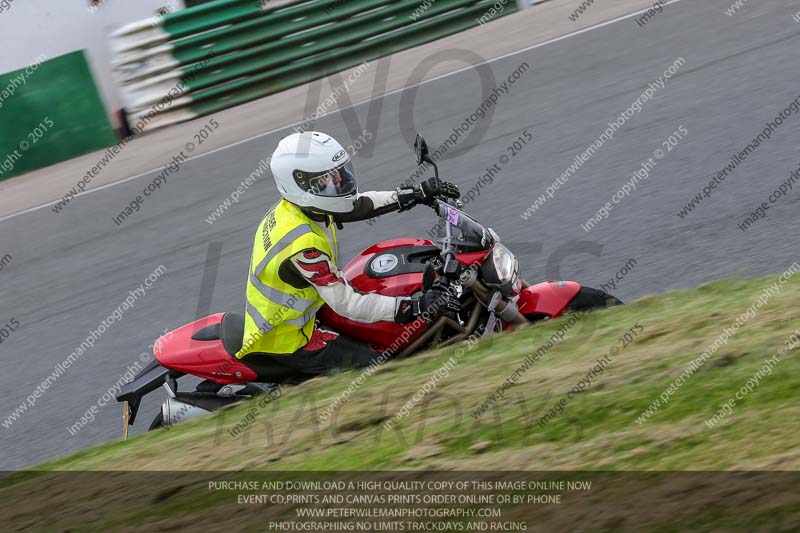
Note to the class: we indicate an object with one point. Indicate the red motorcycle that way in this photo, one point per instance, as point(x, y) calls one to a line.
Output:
point(469, 258)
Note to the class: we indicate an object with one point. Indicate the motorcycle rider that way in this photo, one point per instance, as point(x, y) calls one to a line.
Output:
point(293, 267)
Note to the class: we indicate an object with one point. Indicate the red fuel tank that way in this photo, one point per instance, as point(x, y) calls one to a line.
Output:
point(390, 268)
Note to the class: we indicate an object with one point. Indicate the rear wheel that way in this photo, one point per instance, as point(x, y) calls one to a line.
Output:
point(157, 423)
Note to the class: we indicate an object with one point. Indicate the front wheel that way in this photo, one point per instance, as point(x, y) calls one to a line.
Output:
point(589, 298)
point(586, 299)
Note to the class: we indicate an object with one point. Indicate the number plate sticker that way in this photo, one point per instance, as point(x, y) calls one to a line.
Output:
point(452, 215)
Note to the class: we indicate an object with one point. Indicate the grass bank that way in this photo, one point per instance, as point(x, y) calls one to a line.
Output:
point(600, 428)
point(614, 391)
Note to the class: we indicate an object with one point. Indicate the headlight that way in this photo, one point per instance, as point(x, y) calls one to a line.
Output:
point(502, 272)
point(505, 264)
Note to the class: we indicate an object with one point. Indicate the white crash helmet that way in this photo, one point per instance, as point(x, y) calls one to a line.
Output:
point(311, 169)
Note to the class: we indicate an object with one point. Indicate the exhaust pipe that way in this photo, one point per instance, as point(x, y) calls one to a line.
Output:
point(174, 411)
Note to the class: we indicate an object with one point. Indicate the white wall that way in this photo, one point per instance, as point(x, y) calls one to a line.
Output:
point(56, 27)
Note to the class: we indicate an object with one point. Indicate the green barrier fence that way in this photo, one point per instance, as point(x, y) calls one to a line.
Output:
point(228, 52)
point(50, 111)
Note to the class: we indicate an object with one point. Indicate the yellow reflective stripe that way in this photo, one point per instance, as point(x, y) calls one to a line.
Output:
point(262, 323)
point(270, 293)
point(279, 297)
point(304, 319)
point(282, 244)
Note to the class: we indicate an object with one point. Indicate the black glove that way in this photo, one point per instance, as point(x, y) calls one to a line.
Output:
point(436, 301)
point(435, 188)
point(426, 193)
point(406, 198)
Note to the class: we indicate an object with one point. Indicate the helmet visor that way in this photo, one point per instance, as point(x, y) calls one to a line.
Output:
point(339, 181)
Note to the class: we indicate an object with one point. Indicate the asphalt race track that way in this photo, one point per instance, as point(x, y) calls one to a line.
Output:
point(72, 269)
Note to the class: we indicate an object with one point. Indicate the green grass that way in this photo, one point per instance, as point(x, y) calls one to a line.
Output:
point(597, 431)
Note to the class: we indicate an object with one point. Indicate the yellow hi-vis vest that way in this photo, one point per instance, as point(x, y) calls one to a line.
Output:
point(279, 318)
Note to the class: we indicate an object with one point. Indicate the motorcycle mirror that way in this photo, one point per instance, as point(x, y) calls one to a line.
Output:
point(421, 149)
point(428, 276)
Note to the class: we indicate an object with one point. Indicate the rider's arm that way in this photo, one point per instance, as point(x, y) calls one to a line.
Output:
point(318, 270)
point(375, 203)
point(371, 204)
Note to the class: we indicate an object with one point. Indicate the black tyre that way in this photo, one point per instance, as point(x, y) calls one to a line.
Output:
point(157, 423)
point(589, 298)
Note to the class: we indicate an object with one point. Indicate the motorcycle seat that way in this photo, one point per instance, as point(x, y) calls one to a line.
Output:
point(231, 332)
